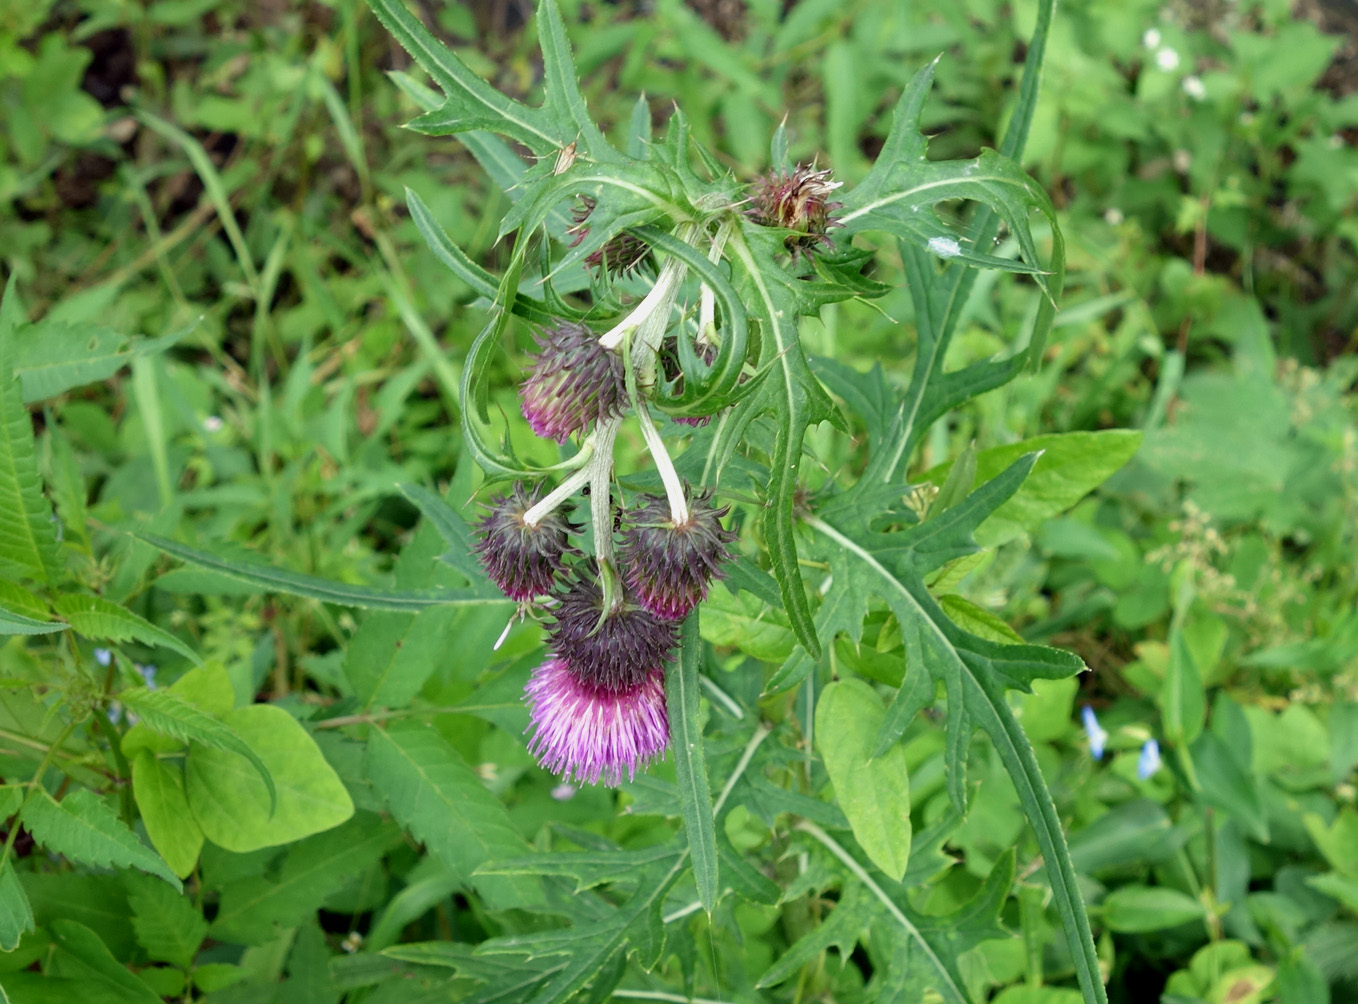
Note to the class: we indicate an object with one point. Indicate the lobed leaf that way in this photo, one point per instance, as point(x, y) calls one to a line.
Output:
point(83, 829)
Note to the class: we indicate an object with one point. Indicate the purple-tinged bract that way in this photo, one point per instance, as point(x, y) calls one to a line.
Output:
point(798, 201)
point(589, 733)
point(522, 560)
point(574, 382)
point(668, 565)
point(614, 652)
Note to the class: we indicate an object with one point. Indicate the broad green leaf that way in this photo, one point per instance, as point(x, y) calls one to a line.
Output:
point(232, 804)
point(279, 580)
point(16, 916)
point(690, 763)
point(434, 794)
point(169, 928)
point(313, 869)
point(461, 553)
point(873, 792)
point(1132, 909)
point(159, 790)
point(1343, 888)
point(1227, 784)
point(103, 620)
point(1072, 464)
point(1338, 841)
point(169, 714)
point(1132, 833)
point(54, 356)
point(83, 829)
point(391, 655)
point(28, 539)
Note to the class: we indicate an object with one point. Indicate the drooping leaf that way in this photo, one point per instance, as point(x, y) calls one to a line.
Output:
point(83, 829)
point(279, 580)
point(103, 620)
point(686, 739)
point(159, 790)
point(16, 915)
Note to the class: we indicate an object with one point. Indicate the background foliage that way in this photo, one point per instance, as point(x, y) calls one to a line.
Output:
point(228, 336)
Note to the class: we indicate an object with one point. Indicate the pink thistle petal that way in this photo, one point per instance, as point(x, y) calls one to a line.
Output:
point(588, 734)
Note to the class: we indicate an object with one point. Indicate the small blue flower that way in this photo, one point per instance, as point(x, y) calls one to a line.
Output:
point(103, 656)
point(114, 712)
point(148, 673)
point(1149, 761)
point(1098, 738)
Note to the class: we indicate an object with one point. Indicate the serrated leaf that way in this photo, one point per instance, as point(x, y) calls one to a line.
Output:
point(874, 792)
point(165, 712)
point(28, 539)
point(83, 829)
point(13, 622)
point(587, 868)
point(852, 915)
point(82, 955)
point(563, 101)
point(471, 102)
point(167, 925)
point(313, 869)
point(232, 804)
point(690, 764)
point(975, 674)
point(461, 553)
point(279, 580)
point(99, 619)
point(434, 794)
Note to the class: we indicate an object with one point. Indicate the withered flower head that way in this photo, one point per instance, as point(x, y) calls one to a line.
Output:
point(522, 560)
point(797, 201)
point(573, 382)
point(669, 566)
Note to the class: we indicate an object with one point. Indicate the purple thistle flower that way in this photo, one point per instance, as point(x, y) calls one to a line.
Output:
point(669, 566)
point(590, 733)
point(574, 381)
point(798, 202)
point(1098, 738)
point(613, 652)
point(522, 560)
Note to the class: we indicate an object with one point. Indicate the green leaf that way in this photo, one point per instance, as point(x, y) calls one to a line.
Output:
point(28, 539)
point(391, 655)
point(233, 806)
point(975, 673)
point(167, 713)
point(13, 622)
point(81, 954)
point(1183, 701)
point(589, 868)
point(1133, 909)
point(278, 580)
point(690, 765)
point(471, 102)
point(16, 916)
point(1072, 464)
point(103, 620)
point(873, 792)
point(898, 195)
point(159, 790)
point(83, 829)
point(313, 869)
point(854, 914)
point(1228, 785)
point(563, 101)
point(434, 794)
point(1135, 832)
point(461, 553)
point(168, 926)
point(54, 356)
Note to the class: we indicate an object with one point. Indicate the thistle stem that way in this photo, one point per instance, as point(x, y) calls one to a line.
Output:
point(674, 488)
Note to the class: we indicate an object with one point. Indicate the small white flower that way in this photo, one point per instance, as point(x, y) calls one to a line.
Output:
point(1247, 118)
point(563, 792)
point(1113, 216)
point(213, 423)
point(1336, 142)
point(1183, 160)
point(1151, 38)
point(1167, 59)
point(1194, 87)
point(103, 656)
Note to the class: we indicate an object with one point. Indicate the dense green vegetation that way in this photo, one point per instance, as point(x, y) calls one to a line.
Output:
point(262, 731)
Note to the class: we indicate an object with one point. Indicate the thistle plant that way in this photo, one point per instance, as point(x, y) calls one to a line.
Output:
point(684, 335)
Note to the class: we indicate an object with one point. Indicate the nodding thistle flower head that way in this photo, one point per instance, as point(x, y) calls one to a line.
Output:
point(522, 560)
point(573, 383)
point(587, 733)
point(797, 201)
point(598, 703)
point(669, 565)
point(612, 650)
